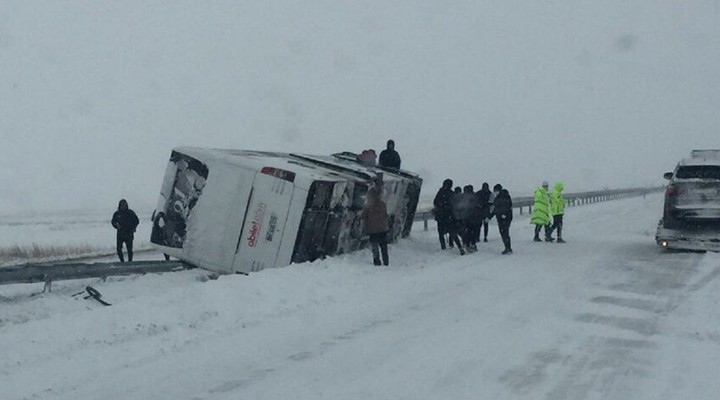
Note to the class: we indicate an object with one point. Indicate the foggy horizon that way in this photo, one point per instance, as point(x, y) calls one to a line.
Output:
point(95, 95)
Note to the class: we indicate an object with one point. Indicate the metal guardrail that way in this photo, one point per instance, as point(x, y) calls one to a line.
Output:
point(48, 273)
point(573, 199)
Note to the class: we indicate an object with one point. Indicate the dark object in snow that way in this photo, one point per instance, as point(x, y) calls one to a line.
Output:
point(93, 293)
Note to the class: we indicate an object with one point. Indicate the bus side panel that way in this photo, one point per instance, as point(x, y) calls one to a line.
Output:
point(259, 241)
point(214, 226)
point(292, 227)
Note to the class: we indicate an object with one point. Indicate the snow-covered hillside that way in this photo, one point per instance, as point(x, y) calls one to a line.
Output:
point(606, 316)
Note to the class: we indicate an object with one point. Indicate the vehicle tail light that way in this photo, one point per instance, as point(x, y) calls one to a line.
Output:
point(279, 173)
point(673, 191)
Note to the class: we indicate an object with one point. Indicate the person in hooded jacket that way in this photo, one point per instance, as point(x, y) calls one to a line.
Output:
point(484, 198)
point(125, 221)
point(443, 212)
point(503, 209)
point(466, 213)
point(496, 191)
point(389, 158)
point(376, 225)
point(557, 209)
point(541, 213)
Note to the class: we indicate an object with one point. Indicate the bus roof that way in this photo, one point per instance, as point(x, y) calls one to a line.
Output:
point(308, 168)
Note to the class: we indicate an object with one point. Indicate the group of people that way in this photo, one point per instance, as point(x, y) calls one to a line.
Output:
point(548, 211)
point(463, 215)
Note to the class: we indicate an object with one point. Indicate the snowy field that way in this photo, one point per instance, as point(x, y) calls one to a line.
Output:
point(606, 316)
point(59, 235)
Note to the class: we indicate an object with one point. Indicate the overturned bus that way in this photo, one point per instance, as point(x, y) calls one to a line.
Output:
point(238, 211)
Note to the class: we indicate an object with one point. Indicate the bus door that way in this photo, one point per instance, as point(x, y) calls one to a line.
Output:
point(264, 222)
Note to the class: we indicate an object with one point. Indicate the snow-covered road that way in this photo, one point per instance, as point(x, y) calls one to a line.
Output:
point(606, 316)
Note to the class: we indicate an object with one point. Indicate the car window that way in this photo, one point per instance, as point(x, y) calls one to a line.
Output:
point(699, 172)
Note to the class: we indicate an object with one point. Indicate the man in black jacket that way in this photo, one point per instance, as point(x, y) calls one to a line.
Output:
point(125, 221)
point(467, 217)
point(504, 215)
point(443, 211)
point(484, 197)
point(389, 158)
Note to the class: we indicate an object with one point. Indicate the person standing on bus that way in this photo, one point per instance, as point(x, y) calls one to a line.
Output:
point(124, 220)
point(375, 217)
point(389, 158)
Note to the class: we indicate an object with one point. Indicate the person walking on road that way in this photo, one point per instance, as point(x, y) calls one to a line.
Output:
point(466, 215)
point(484, 196)
point(376, 225)
point(557, 208)
point(443, 212)
point(504, 215)
point(541, 212)
point(124, 220)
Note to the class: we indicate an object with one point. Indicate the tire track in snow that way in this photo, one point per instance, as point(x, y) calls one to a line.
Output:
point(620, 348)
point(621, 322)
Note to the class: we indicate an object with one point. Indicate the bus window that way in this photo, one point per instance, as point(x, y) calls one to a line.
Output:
point(320, 195)
point(359, 195)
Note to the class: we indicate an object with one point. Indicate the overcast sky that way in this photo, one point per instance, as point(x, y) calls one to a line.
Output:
point(95, 94)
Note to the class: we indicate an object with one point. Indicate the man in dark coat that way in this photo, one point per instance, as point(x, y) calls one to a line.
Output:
point(125, 221)
point(483, 198)
point(444, 215)
point(375, 217)
point(389, 158)
point(466, 213)
point(504, 214)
